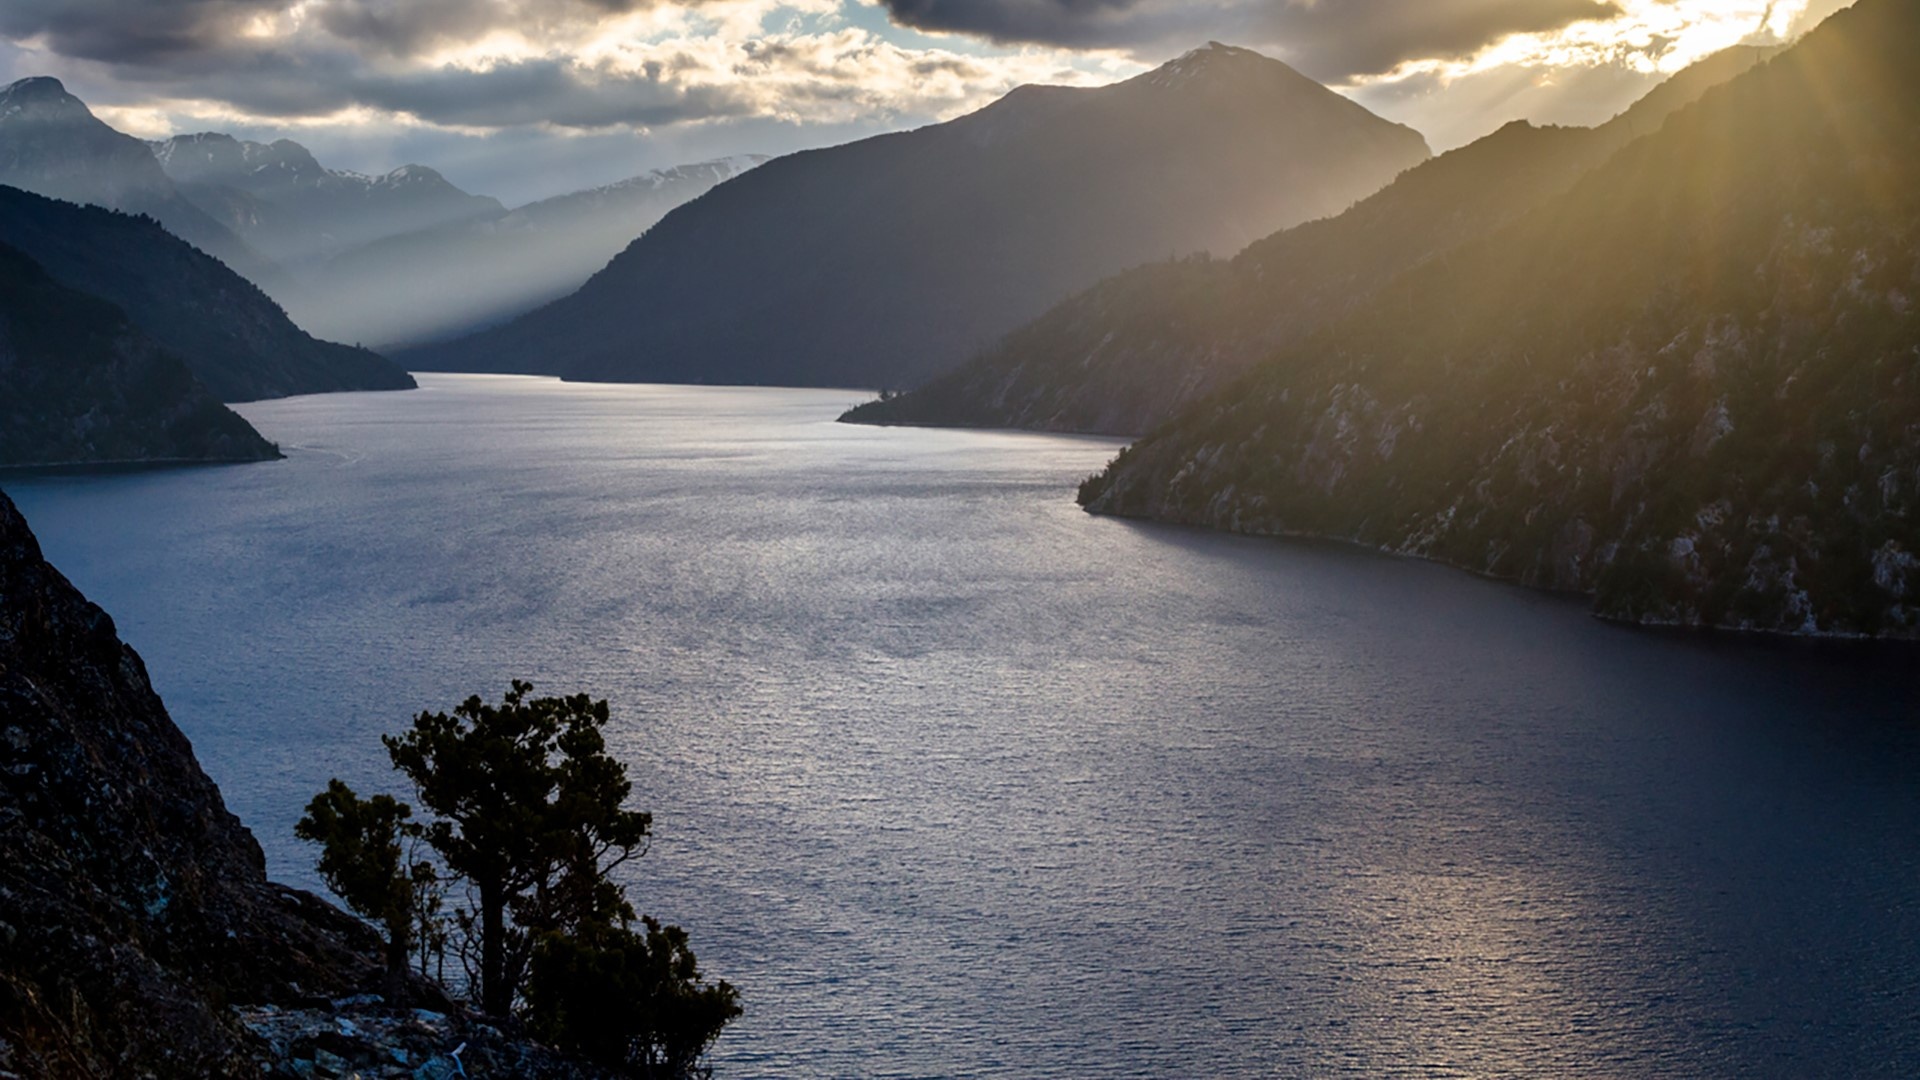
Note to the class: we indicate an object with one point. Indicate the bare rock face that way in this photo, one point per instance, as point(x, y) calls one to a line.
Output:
point(134, 908)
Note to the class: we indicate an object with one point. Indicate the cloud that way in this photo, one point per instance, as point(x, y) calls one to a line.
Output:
point(675, 72)
point(119, 31)
point(1331, 39)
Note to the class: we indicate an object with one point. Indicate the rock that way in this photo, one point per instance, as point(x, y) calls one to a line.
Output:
point(142, 935)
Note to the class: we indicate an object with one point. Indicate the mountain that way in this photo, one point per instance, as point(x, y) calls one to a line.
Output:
point(289, 207)
point(1689, 386)
point(1129, 353)
point(80, 385)
point(52, 144)
point(450, 279)
point(886, 261)
point(236, 340)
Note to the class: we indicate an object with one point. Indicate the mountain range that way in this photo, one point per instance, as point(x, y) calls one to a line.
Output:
point(886, 261)
point(1684, 386)
point(1130, 352)
point(291, 209)
point(438, 281)
point(52, 144)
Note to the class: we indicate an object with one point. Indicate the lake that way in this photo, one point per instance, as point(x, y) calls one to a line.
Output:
point(954, 779)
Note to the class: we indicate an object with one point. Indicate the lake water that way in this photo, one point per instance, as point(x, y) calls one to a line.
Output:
point(954, 779)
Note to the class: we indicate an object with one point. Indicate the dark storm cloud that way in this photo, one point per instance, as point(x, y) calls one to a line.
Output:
point(165, 31)
point(554, 92)
point(544, 91)
point(408, 27)
point(130, 31)
point(201, 49)
point(1330, 39)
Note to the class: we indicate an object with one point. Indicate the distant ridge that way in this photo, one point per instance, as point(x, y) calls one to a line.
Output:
point(452, 278)
point(80, 385)
point(236, 340)
point(886, 261)
point(53, 145)
point(281, 200)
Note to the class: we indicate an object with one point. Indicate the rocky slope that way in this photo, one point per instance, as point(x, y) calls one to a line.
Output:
point(1129, 353)
point(236, 340)
point(292, 209)
point(134, 907)
point(885, 261)
point(1689, 386)
point(434, 283)
point(80, 385)
point(52, 144)
point(139, 936)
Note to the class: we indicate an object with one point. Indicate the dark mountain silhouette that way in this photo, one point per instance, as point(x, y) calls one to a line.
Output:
point(436, 282)
point(1130, 352)
point(236, 340)
point(282, 201)
point(79, 384)
point(52, 144)
point(1687, 386)
point(885, 261)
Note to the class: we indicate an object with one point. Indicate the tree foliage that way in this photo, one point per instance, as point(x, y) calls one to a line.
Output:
point(363, 859)
point(527, 808)
point(628, 999)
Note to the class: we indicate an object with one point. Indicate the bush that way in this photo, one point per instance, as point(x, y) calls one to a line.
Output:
point(628, 1000)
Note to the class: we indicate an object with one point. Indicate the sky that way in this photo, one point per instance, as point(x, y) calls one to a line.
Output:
point(521, 99)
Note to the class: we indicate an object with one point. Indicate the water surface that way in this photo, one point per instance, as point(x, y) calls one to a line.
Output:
point(954, 779)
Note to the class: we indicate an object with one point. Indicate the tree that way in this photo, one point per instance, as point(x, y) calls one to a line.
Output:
point(528, 808)
point(363, 860)
point(628, 1000)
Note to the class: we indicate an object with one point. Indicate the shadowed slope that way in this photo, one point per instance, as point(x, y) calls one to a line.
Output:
point(80, 385)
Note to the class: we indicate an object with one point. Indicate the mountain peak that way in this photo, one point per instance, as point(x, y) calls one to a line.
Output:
point(1214, 61)
point(34, 87)
point(36, 91)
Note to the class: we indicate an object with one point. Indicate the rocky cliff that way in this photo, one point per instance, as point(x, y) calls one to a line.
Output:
point(1689, 386)
point(139, 935)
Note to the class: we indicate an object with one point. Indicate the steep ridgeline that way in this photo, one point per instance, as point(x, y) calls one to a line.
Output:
point(1689, 386)
point(80, 385)
point(51, 143)
point(236, 340)
point(139, 935)
point(886, 261)
point(294, 210)
point(452, 279)
point(1127, 354)
point(133, 906)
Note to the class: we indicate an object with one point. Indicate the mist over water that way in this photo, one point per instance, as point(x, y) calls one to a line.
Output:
point(954, 779)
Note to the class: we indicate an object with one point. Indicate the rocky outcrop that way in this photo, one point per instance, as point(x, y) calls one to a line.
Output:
point(139, 935)
point(1689, 386)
